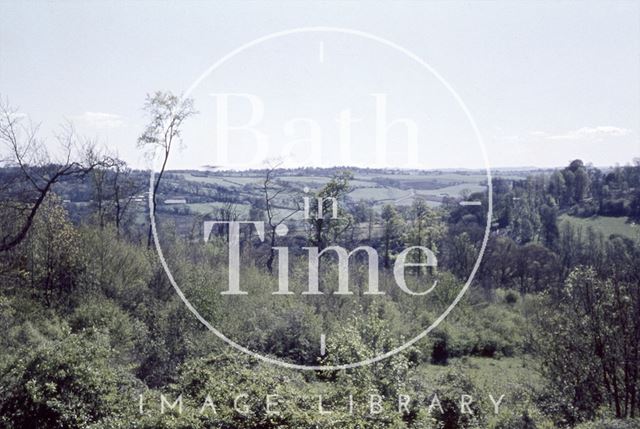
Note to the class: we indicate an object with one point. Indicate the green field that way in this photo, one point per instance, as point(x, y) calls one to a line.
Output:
point(380, 187)
point(605, 224)
point(206, 208)
point(517, 378)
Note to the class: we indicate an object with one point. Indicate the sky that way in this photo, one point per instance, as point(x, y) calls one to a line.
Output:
point(545, 82)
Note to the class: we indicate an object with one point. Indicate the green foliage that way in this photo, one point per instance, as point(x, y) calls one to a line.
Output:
point(391, 232)
point(596, 323)
point(88, 314)
point(27, 324)
point(326, 229)
point(363, 338)
point(113, 267)
point(495, 331)
point(607, 225)
point(54, 261)
point(452, 415)
point(510, 421)
point(511, 297)
point(220, 379)
point(68, 383)
point(127, 335)
point(611, 424)
point(425, 229)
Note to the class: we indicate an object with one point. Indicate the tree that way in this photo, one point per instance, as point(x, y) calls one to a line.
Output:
point(558, 187)
point(570, 247)
point(391, 231)
point(525, 220)
point(634, 206)
point(461, 255)
point(549, 223)
point(576, 180)
point(54, 257)
point(581, 184)
point(64, 384)
point(114, 188)
point(31, 172)
point(166, 114)
point(536, 267)
point(272, 191)
point(499, 262)
point(425, 229)
point(125, 188)
point(591, 342)
point(324, 228)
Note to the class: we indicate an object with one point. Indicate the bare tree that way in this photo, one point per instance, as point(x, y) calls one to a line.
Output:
point(125, 189)
point(31, 172)
point(114, 188)
point(167, 112)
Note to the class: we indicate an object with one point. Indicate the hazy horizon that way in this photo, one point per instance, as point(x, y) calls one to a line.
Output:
point(214, 169)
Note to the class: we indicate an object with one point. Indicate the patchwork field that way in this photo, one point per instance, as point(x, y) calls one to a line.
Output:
point(377, 187)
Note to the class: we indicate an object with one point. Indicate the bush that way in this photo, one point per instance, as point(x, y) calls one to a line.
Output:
point(611, 424)
point(511, 297)
point(223, 376)
point(26, 325)
point(613, 207)
point(523, 421)
point(127, 335)
point(440, 352)
point(63, 384)
point(452, 385)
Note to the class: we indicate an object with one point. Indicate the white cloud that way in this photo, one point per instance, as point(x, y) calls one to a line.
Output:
point(99, 120)
point(587, 133)
point(17, 115)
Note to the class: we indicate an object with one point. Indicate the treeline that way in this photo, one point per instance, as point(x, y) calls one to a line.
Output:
point(588, 335)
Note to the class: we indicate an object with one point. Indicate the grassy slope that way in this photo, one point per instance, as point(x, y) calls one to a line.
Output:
point(515, 377)
point(606, 224)
point(502, 375)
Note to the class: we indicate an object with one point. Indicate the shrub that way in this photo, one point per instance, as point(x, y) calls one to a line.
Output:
point(451, 386)
point(63, 384)
point(511, 297)
point(440, 352)
point(522, 421)
point(127, 335)
point(611, 424)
